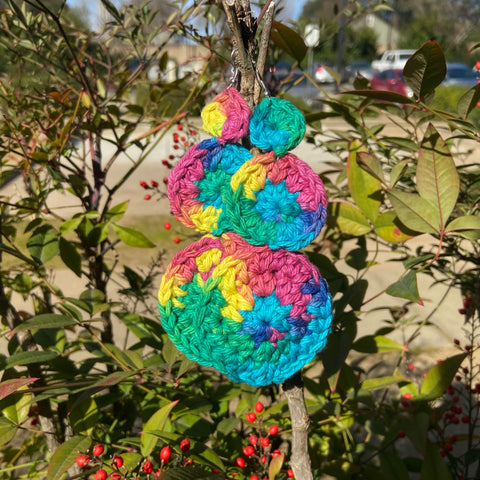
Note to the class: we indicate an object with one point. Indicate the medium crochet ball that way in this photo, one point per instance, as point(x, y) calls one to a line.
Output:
point(227, 116)
point(276, 202)
point(195, 184)
point(276, 125)
point(255, 314)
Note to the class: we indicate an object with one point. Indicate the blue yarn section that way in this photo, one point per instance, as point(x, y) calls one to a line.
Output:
point(276, 203)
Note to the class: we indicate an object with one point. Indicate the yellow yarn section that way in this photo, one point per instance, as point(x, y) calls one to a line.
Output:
point(207, 259)
point(206, 220)
point(252, 177)
point(213, 119)
point(169, 288)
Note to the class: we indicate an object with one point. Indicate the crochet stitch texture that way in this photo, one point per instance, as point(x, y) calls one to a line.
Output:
point(241, 299)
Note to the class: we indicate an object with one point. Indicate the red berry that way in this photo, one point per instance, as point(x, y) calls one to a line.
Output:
point(153, 183)
point(462, 311)
point(147, 197)
point(276, 453)
point(117, 461)
point(171, 157)
point(453, 438)
point(265, 442)
point(248, 450)
point(82, 460)
point(167, 226)
point(148, 467)
point(176, 147)
point(182, 138)
point(165, 453)
point(193, 132)
point(179, 127)
point(165, 180)
point(259, 407)
point(98, 449)
point(176, 240)
point(448, 447)
point(443, 453)
point(465, 419)
point(263, 459)
point(188, 461)
point(240, 462)
point(254, 477)
point(273, 430)
point(477, 65)
point(101, 475)
point(407, 395)
point(401, 434)
point(143, 184)
point(290, 473)
point(455, 420)
point(456, 341)
point(185, 445)
point(251, 417)
point(253, 439)
point(115, 476)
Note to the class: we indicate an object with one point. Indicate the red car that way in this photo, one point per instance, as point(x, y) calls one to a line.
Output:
point(391, 80)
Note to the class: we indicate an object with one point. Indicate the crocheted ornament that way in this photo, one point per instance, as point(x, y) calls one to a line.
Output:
point(194, 185)
point(276, 125)
point(227, 116)
point(276, 202)
point(255, 314)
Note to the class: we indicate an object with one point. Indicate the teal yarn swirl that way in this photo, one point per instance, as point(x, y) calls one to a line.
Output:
point(276, 125)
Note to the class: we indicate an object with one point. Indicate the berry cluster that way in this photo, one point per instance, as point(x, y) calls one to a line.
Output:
point(115, 469)
point(260, 450)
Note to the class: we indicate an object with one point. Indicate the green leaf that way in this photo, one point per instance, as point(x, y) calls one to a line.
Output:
point(437, 178)
point(388, 227)
point(155, 422)
point(84, 416)
point(70, 225)
point(405, 288)
point(371, 164)
point(364, 187)
point(393, 466)
point(70, 256)
point(372, 384)
point(349, 219)
point(8, 387)
point(382, 95)
point(439, 377)
point(132, 237)
point(7, 431)
point(27, 358)
point(425, 70)
point(43, 244)
point(275, 466)
point(468, 224)
point(415, 212)
point(64, 456)
point(45, 320)
point(468, 101)
point(190, 473)
point(288, 40)
point(376, 344)
point(433, 465)
point(115, 213)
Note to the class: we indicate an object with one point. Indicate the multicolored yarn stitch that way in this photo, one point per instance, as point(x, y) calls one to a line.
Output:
point(243, 302)
point(227, 116)
point(255, 314)
point(276, 125)
point(195, 184)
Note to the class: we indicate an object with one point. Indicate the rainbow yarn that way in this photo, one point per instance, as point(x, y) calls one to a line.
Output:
point(195, 184)
point(227, 116)
point(240, 299)
point(255, 314)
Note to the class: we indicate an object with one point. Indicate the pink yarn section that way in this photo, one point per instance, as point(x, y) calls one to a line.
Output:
point(181, 190)
point(238, 115)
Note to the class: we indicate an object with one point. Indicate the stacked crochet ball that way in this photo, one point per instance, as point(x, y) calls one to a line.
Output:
point(240, 299)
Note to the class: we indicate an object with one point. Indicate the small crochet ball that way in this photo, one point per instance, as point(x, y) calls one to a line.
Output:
point(227, 116)
point(276, 125)
point(195, 184)
point(255, 314)
point(279, 202)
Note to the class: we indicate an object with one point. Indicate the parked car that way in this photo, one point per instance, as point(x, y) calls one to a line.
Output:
point(359, 67)
point(322, 75)
point(392, 59)
point(460, 74)
point(391, 80)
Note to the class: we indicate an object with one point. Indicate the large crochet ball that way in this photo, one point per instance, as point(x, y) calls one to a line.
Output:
point(255, 314)
point(195, 184)
point(279, 202)
point(227, 116)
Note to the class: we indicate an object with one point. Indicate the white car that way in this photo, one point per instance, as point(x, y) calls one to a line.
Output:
point(322, 75)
